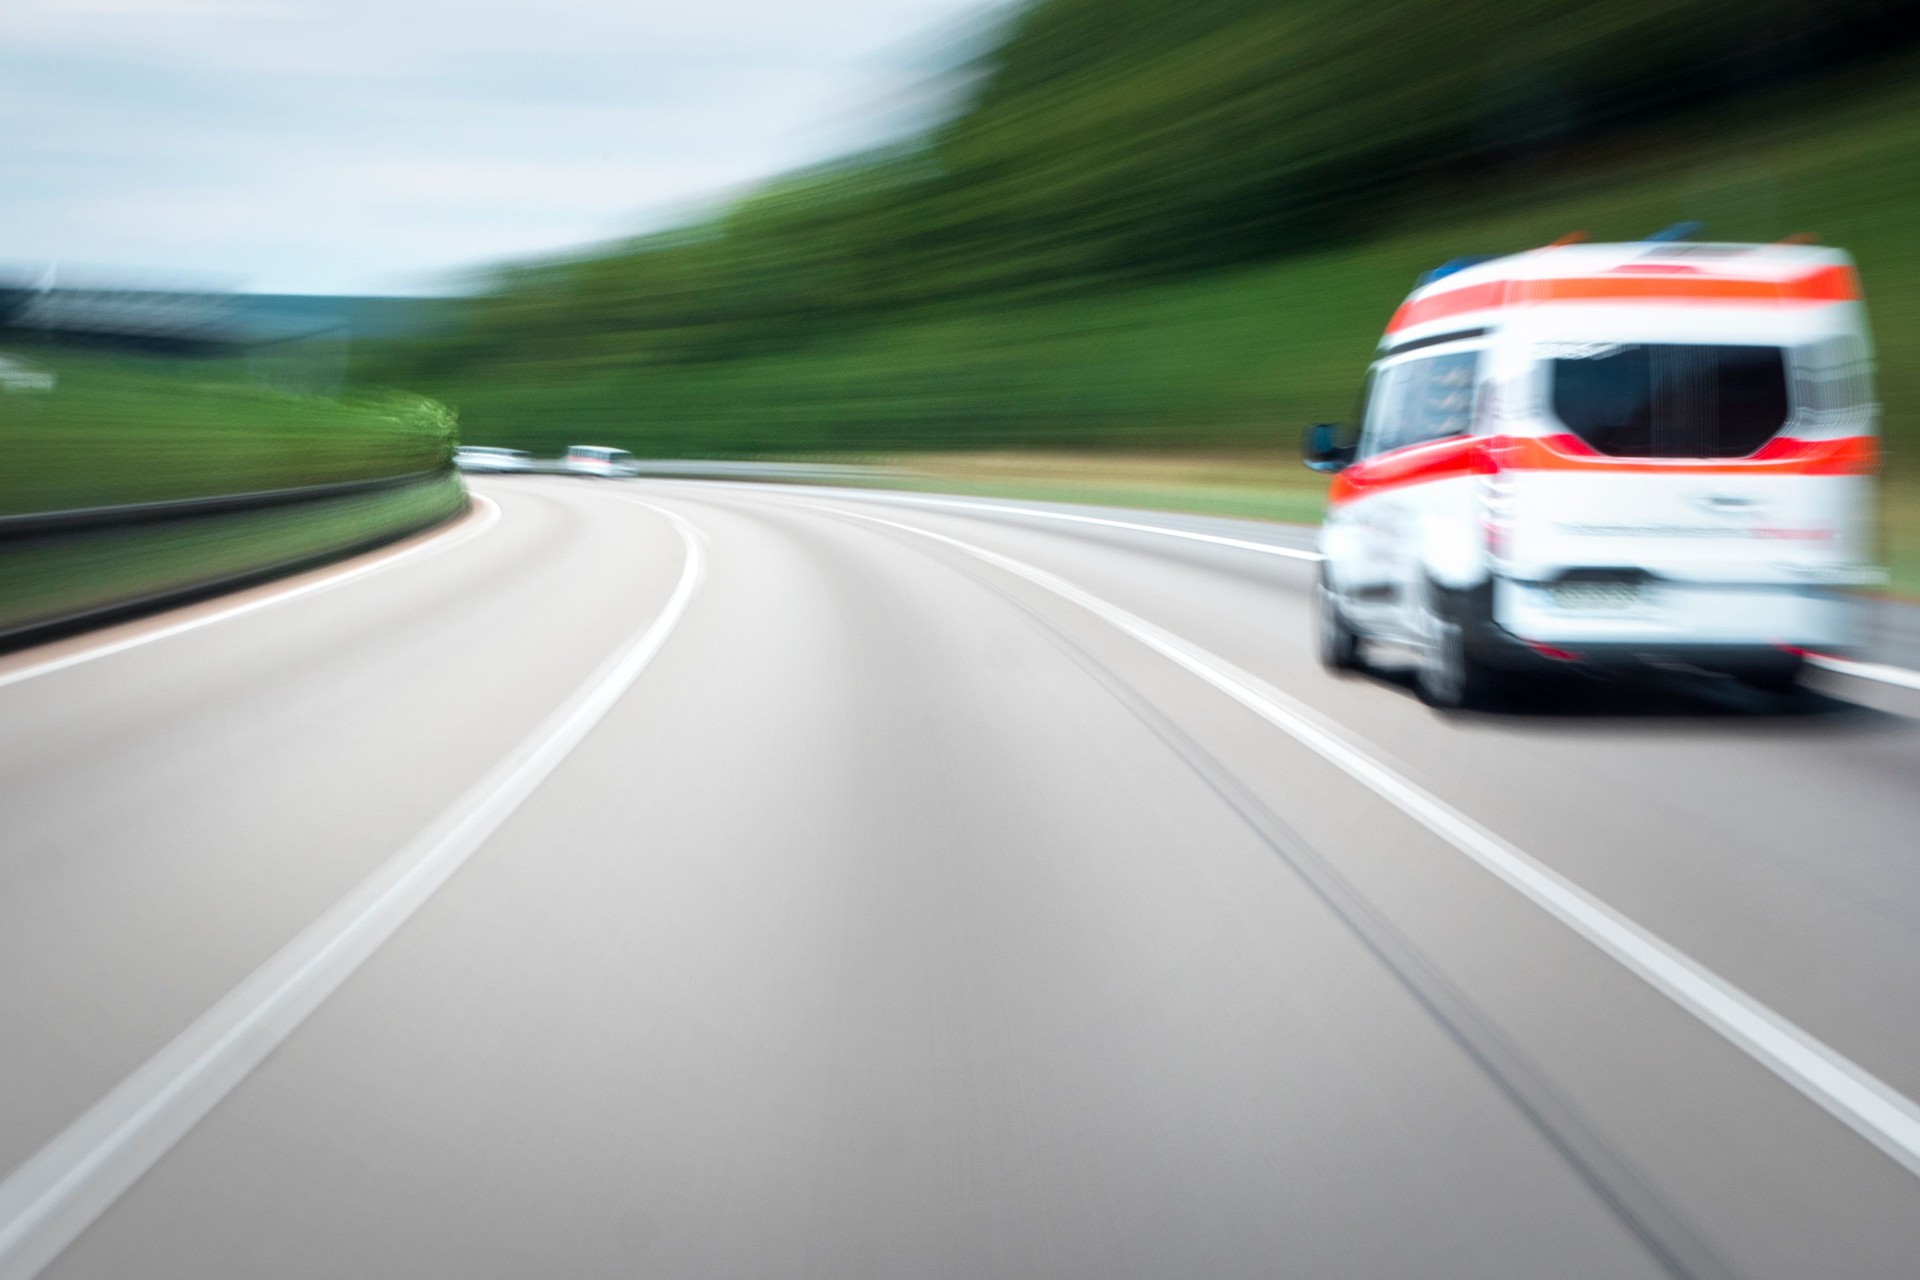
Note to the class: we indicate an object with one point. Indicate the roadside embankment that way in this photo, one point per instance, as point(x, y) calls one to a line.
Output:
point(127, 484)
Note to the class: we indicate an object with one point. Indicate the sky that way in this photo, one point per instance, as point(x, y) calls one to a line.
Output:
point(392, 146)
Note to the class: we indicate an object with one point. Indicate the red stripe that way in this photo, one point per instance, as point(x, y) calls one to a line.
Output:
point(1783, 455)
point(1416, 464)
point(1828, 284)
point(1464, 455)
point(1438, 306)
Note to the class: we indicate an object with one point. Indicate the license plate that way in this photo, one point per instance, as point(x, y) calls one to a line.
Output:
point(1598, 597)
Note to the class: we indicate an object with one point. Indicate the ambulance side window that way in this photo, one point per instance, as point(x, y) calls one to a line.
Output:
point(1420, 400)
point(1447, 405)
point(1382, 395)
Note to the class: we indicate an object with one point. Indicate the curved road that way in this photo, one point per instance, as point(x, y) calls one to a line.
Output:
point(678, 879)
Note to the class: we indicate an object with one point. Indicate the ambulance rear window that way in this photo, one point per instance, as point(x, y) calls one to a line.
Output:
point(1680, 400)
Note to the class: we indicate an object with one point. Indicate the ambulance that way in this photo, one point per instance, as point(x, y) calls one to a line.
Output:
point(1606, 457)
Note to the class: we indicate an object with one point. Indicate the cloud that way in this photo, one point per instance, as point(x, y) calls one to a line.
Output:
point(355, 144)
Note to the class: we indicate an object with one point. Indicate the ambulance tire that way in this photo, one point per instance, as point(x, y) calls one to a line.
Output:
point(1338, 643)
point(1451, 676)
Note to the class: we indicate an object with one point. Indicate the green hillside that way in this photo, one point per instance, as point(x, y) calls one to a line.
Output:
point(1103, 143)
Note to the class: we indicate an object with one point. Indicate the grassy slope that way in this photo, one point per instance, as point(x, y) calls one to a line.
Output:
point(118, 431)
point(1102, 143)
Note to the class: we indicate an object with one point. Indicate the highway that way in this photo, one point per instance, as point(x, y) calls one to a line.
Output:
point(685, 879)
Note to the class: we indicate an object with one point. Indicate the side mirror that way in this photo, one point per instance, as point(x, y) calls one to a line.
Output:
point(1323, 449)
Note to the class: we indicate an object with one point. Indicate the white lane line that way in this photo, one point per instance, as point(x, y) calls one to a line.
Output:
point(1867, 670)
point(1218, 540)
point(1868, 1105)
point(51, 1199)
point(464, 532)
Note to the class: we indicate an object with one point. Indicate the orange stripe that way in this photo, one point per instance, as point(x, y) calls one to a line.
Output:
point(1784, 455)
point(1828, 284)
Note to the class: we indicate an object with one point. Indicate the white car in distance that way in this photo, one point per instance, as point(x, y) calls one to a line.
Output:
point(598, 460)
point(478, 458)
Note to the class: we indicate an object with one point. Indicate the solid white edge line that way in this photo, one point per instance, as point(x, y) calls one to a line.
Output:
point(446, 541)
point(1871, 1107)
point(48, 1201)
point(1878, 671)
point(1219, 540)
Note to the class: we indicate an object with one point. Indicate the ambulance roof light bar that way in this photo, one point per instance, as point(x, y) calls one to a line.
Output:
point(1678, 231)
point(1452, 265)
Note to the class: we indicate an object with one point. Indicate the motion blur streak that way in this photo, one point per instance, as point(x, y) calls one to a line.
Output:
point(908, 918)
point(1880, 1114)
point(1386, 764)
point(52, 1198)
point(1159, 530)
point(1877, 671)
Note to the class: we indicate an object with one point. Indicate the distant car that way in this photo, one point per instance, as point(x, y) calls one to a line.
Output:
point(477, 458)
point(598, 460)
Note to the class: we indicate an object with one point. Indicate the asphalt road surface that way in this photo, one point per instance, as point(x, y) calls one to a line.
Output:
point(679, 879)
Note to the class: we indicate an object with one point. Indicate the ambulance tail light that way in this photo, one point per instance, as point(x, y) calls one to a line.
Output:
point(1493, 493)
point(1572, 446)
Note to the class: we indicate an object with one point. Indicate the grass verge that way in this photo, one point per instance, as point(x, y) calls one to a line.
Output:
point(47, 581)
point(1228, 484)
point(114, 431)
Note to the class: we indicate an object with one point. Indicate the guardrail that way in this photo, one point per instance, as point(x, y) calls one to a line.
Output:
point(44, 522)
point(816, 472)
point(695, 469)
point(61, 571)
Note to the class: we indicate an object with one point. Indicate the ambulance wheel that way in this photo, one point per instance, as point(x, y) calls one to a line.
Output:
point(1451, 675)
point(1339, 644)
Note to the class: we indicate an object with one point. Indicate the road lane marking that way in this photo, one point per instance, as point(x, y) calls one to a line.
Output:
point(465, 531)
point(1867, 670)
point(48, 1201)
point(1218, 540)
point(1871, 1107)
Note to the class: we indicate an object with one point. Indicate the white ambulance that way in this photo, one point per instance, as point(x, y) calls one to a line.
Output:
point(1605, 456)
